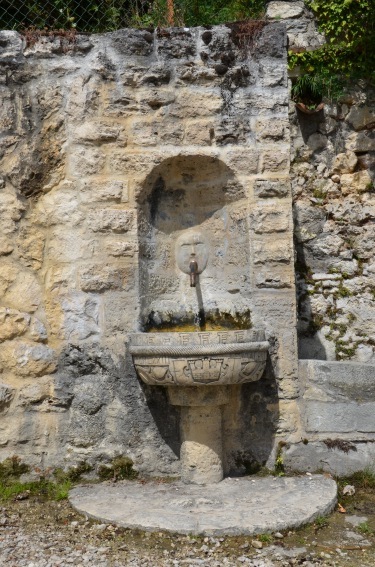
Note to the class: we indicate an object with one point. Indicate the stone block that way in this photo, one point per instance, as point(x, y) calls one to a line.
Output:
point(132, 164)
point(144, 132)
point(86, 161)
point(6, 395)
point(36, 393)
point(99, 278)
point(242, 161)
point(262, 102)
point(25, 293)
point(7, 110)
point(267, 188)
point(131, 42)
point(30, 246)
point(11, 44)
point(59, 278)
point(6, 246)
point(196, 103)
point(289, 417)
point(271, 75)
point(97, 133)
point(267, 219)
point(272, 42)
point(8, 273)
point(361, 141)
point(26, 359)
point(93, 191)
point(274, 129)
point(279, 251)
point(177, 43)
point(111, 220)
point(316, 456)
point(275, 161)
point(11, 209)
point(13, 323)
point(199, 133)
point(275, 278)
point(120, 248)
point(284, 10)
point(75, 316)
point(156, 98)
point(116, 318)
point(69, 245)
point(358, 182)
point(339, 397)
point(60, 206)
point(344, 163)
point(361, 117)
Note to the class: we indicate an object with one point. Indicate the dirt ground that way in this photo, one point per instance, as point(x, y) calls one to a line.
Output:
point(342, 539)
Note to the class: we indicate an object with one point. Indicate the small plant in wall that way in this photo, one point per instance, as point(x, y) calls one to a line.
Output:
point(310, 89)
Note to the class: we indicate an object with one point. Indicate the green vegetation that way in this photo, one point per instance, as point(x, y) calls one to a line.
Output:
point(349, 53)
point(320, 522)
point(362, 479)
point(265, 538)
point(279, 462)
point(44, 487)
point(364, 528)
point(121, 468)
point(109, 15)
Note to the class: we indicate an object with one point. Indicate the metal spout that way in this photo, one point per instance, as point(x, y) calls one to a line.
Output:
point(193, 270)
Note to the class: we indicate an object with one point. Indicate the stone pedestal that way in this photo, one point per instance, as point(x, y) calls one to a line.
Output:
point(201, 432)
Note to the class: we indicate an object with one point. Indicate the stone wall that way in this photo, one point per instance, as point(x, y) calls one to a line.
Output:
point(112, 148)
point(97, 132)
point(333, 174)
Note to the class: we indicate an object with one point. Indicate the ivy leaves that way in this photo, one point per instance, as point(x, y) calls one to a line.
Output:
point(349, 28)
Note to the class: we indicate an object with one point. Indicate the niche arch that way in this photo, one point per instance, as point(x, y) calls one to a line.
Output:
point(184, 193)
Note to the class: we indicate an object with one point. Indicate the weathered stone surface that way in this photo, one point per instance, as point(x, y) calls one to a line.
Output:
point(266, 219)
point(98, 278)
point(285, 10)
point(111, 220)
point(6, 395)
point(113, 147)
point(339, 397)
point(361, 117)
point(24, 293)
point(11, 44)
point(344, 163)
point(13, 323)
point(317, 456)
point(358, 182)
point(231, 507)
point(27, 359)
point(361, 142)
point(268, 188)
point(93, 191)
point(271, 251)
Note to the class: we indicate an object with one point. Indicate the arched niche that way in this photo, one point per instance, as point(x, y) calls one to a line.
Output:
point(196, 197)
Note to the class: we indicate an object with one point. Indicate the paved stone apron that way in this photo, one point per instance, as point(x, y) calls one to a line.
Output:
point(232, 507)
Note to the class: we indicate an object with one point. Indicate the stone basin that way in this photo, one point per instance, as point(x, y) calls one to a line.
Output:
point(198, 369)
point(216, 358)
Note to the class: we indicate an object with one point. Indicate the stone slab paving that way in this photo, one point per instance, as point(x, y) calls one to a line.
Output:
point(232, 507)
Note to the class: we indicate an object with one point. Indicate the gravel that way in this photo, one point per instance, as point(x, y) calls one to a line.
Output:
point(50, 534)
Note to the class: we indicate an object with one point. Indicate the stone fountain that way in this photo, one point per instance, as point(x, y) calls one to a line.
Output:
point(198, 368)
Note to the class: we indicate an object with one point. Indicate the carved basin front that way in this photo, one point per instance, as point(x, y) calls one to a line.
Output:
point(201, 358)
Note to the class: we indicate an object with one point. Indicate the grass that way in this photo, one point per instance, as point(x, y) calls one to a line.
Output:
point(320, 522)
point(11, 469)
point(364, 528)
point(361, 479)
point(265, 538)
point(55, 484)
point(42, 488)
